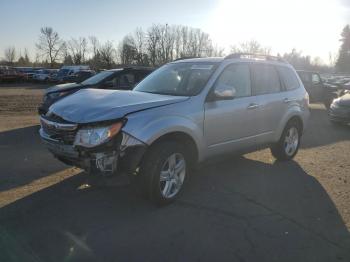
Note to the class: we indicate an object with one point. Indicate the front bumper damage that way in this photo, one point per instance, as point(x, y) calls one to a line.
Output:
point(122, 154)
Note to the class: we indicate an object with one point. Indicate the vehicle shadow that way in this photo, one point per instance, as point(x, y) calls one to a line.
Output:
point(234, 210)
point(24, 158)
point(320, 131)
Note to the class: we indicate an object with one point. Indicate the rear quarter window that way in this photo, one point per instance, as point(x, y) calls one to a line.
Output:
point(288, 77)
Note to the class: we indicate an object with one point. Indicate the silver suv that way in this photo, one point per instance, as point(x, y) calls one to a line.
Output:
point(182, 114)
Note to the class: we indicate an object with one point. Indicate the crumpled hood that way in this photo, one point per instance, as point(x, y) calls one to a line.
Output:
point(63, 87)
point(94, 105)
point(344, 100)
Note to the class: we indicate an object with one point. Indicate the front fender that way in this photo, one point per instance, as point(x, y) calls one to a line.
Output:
point(149, 130)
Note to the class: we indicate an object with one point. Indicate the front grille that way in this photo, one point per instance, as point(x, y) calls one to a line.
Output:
point(59, 131)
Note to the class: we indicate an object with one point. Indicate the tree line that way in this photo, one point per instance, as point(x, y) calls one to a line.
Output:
point(155, 46)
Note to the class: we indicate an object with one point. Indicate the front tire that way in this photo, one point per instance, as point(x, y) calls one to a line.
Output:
point(164, 171)
point(288, 145)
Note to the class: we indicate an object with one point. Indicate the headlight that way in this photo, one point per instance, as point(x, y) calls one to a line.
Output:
point(94, 136)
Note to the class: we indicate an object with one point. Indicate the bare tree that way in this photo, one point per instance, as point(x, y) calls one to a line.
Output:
point(153, 37)
point(77, 48)
point(163, 43)
point(95, 45)
point(50, 45)
point(107, 53)
point(10, 54)
point(26, 56)
point(128, 50)
point(251, 46)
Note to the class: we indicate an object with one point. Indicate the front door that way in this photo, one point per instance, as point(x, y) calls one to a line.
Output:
point(230, 124)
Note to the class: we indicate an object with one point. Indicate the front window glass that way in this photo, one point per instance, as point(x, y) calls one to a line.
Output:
point(238, 77)
point(179, 79)
point(97, 78)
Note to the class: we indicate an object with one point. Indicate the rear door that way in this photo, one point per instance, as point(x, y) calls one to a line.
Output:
point(266, 88)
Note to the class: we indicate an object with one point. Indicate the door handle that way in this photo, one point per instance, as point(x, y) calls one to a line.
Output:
point(287, 100)
point(253, 106)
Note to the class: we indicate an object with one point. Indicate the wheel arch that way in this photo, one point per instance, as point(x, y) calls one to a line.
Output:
point(180, 137)
point(291, 117)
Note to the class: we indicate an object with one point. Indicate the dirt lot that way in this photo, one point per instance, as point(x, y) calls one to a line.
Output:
point(18, 105)
point(247, 208)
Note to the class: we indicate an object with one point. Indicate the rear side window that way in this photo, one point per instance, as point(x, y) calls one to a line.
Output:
point(288, 77)
point(237, 76)
point(265, 80)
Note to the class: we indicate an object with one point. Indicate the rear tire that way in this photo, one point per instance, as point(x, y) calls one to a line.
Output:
point(288, 145)
point(164, 171)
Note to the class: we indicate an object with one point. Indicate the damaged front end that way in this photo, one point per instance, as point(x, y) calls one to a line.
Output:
point(99, 148)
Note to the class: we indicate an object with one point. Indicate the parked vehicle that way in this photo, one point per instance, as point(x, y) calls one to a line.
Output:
point(44, 75)
point(8, 74)
point(78, 77)
point(122, 78)
point(339, 112)
point(27, 73)
point(179, 116)
point(319, 91)
point(68, 71)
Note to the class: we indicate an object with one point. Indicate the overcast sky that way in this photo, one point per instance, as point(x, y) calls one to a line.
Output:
point(313, 26)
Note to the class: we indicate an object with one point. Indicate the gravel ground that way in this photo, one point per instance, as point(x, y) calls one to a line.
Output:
point(248, 208)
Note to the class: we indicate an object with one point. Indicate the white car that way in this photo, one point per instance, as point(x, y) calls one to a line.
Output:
point(43, 74)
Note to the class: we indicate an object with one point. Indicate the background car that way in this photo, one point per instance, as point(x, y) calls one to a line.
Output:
point(121, 79)
point(339, 112)
point(44, 75)
point(67, 71)
point(8, 74)
point(319, 91)
point(79, 76)
point(27, 73)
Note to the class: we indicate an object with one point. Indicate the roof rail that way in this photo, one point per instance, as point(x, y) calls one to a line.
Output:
point(186, 57)
point(256, 56)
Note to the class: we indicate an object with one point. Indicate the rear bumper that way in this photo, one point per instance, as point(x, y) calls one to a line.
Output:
point(109, 159)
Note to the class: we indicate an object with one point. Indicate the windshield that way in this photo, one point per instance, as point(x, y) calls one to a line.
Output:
point(179, 79)
point(97, 78)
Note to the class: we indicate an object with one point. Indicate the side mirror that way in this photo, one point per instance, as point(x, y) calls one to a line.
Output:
point(224, 92)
